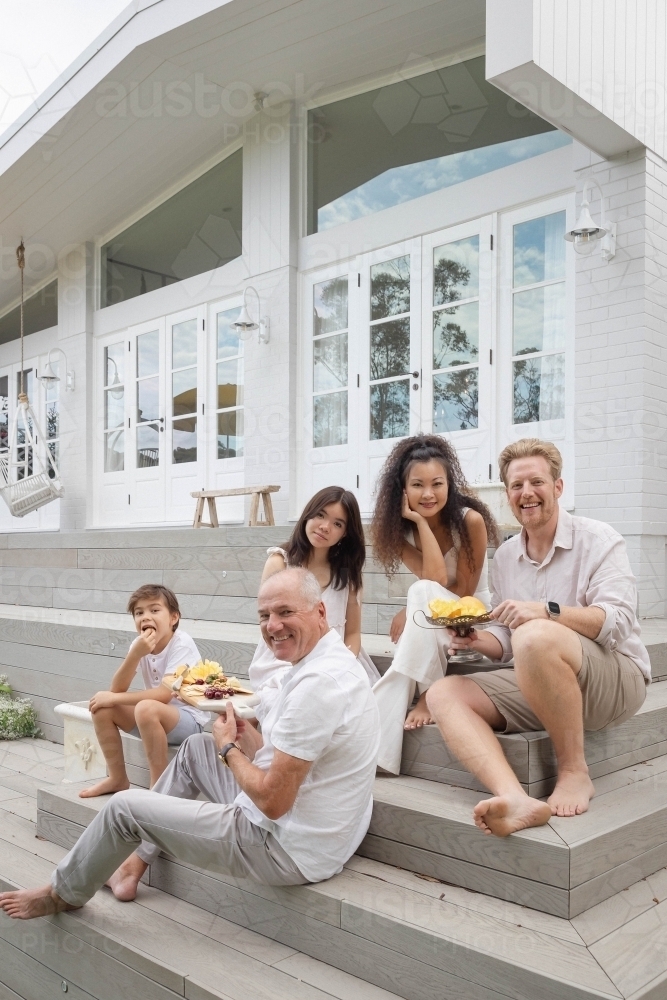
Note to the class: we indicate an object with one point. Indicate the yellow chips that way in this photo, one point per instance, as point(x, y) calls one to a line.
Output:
point(456, 609)
point(202, 670)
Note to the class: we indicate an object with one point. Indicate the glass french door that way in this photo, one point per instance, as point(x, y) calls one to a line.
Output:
point(146, 452)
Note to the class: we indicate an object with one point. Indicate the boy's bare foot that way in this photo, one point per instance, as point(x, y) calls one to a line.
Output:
point(573, 792)
point(505, 814)
point(419, 716)
point(104, 787)
point(124, 881)
point(24, 904)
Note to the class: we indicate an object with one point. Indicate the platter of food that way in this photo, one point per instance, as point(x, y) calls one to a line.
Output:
point(463, 615)
point(205, 685)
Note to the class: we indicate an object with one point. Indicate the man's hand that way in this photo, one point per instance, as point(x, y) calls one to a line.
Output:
point(397, 625)
point(476, 642)
point(227, 728)
point(103, 699)
point(515, 613)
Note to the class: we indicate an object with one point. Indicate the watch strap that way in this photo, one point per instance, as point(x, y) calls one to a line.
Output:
point(222, 753)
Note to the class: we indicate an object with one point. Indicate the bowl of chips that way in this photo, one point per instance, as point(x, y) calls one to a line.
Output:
point(463, 615)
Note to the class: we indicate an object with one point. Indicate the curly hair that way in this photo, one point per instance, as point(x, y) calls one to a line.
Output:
point(388, 525)
point(348, 556)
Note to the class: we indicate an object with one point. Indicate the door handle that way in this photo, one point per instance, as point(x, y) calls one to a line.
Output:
point(414, 374)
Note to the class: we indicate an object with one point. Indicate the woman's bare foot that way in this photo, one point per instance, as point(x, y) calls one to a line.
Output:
point(505, 814)
point(573, 792)
point(24, 904)
point(124, 881)
point(419, 716)
point(105, 787)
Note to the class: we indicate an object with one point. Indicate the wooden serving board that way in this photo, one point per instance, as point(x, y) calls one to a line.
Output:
point(242, 701)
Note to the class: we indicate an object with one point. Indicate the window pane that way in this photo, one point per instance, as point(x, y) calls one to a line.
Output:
point(455, 401)
point(330, 306)
point(230, 434)
point(230, 383)
point(390, 288)
point(148, 399)
point(184, 344)
point(148, 446)
point(411, 138)
point(114, 451)
point(539, 389)
point(330, 419)
point(539, 319)
point(54, 448)
point(185, 440)
point(456, 271)
point(52, 420)
point(229, 343)
point(148, 353)
point(114, 363)
point(330, 363)
point(184, 392)
point(40, 311)
point(196, 230)
point(114, 408)
point(390, 410)
point(539, 250)
point(390, 348)
point(456, 336)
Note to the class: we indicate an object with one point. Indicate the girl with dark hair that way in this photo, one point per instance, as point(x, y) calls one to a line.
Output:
point(427, 517)
point(328, 540)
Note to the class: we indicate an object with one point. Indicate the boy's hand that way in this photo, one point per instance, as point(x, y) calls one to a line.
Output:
point(146, 641)
point(103, 699)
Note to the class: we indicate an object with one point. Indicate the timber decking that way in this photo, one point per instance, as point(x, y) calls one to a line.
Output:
point(422, 938)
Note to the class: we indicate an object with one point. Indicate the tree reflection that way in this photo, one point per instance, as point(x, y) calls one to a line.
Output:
point(456, 401)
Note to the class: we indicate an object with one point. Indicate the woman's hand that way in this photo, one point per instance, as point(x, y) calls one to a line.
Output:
point(408, 513)
point(397, 625)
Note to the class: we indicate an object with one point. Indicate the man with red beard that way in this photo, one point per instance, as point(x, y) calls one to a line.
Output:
point(565, 601)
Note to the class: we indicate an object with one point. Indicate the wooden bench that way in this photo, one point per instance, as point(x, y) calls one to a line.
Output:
point(256, 492)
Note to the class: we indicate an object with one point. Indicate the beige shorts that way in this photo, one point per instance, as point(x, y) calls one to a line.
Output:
point(612, 686)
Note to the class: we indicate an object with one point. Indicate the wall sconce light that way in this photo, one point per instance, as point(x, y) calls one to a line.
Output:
point(586, 232)
point(117, 389)
point(49, 377)
point(245, 324)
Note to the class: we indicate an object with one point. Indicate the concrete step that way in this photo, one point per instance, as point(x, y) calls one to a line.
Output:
point(532, 757)
point(563, 868)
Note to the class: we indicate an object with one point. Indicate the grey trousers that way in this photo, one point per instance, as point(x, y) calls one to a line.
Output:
point(213, 834)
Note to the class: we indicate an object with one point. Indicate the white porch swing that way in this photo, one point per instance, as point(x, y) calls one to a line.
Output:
point(25, 480)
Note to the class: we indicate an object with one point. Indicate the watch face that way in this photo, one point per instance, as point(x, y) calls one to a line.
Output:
point(554, 609)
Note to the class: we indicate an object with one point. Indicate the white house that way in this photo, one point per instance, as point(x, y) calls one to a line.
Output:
point(390, 182)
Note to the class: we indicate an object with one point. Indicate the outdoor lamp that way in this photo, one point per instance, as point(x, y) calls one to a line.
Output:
point(587, 232)
point(116, 389)
point(49, 377)
point(245, 324)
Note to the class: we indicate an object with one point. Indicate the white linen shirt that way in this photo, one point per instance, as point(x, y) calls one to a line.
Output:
point(326, 713)
point(180, 649)
point(587, 566)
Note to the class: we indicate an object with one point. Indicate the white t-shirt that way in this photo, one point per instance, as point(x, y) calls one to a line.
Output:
point(326, 713)
point(180, 649)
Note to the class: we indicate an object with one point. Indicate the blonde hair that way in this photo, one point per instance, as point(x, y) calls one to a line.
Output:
point(527, 448)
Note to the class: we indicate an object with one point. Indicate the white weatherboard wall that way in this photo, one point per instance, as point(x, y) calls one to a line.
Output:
point(621, 370)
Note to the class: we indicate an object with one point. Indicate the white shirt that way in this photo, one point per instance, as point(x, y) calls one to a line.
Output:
point(180, 649)
point(587, 566)
point(325, 713)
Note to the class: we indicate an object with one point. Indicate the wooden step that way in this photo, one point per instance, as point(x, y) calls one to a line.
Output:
point(420, 938)
point(531, 755)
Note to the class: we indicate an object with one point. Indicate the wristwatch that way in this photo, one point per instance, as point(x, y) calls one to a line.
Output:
point(222, 754)
point(553, 610)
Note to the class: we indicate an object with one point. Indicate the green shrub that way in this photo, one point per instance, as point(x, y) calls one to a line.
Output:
point(18, 717)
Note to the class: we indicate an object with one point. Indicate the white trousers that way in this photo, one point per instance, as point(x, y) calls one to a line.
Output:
point(215, 834)
point(421, 659)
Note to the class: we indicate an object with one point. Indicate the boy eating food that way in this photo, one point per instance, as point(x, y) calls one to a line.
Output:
point(156, 714)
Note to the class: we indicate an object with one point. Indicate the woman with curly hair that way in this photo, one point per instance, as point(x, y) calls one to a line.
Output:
point(427, 517)
point(328, 539)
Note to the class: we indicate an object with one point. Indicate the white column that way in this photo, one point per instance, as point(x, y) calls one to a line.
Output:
point(75, 326)
point(621, 368)
point(269, 247)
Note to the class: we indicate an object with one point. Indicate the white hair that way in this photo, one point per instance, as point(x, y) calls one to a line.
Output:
point(306, 584)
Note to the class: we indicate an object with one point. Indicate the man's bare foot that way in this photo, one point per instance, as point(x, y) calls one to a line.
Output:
point(573, 792)
point(505, 814)
point(419, 716)
point(24, 904)
point(104, 787)
point(124, 881)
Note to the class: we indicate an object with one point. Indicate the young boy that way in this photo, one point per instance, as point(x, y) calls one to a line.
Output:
point(156, 715)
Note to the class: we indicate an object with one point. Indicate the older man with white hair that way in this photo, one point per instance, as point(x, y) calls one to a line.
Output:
point(285, 807)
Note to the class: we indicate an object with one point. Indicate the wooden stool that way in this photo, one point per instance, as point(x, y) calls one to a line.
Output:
point(256, 492)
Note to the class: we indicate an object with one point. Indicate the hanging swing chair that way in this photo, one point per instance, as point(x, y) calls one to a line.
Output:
point(29, 476)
